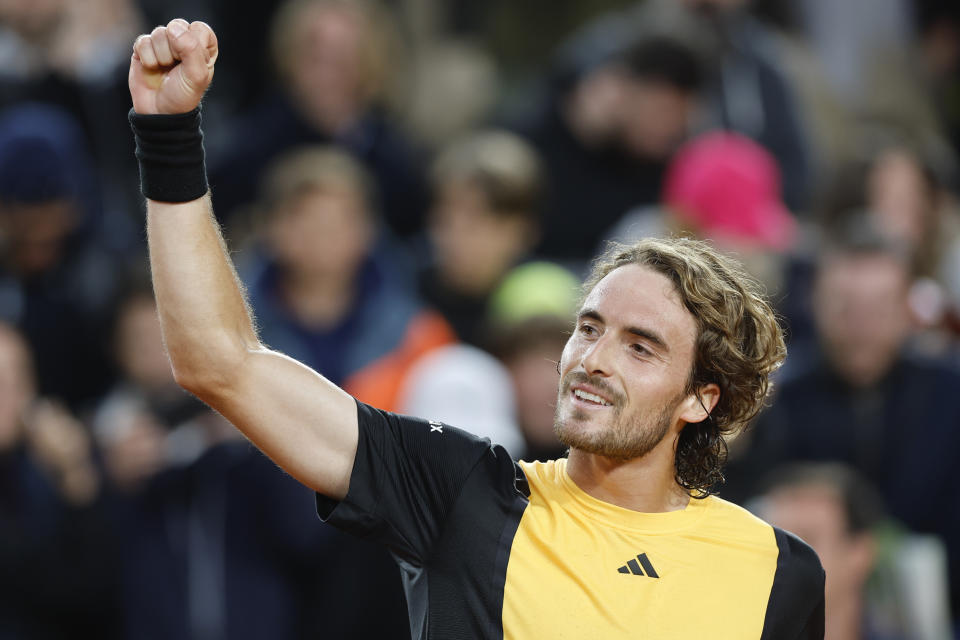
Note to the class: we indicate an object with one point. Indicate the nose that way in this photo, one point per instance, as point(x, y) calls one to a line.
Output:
point(596, 358)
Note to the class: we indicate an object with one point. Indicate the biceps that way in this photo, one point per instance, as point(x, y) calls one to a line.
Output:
point(302, 421)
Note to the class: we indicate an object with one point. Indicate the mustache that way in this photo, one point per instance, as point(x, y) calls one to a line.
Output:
point(597, 383)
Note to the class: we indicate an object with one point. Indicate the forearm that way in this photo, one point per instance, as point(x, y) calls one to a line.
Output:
point(301, 420)
point(207, 325)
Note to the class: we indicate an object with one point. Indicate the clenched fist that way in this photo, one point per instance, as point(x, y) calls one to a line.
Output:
point(172, 67)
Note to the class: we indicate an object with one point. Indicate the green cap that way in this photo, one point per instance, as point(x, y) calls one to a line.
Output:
point(535, 289)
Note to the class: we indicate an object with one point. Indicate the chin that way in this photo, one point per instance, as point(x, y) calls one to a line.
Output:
point(580, 432)
point(571, 419)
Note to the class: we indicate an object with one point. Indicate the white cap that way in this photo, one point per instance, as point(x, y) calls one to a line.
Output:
point(466, 388)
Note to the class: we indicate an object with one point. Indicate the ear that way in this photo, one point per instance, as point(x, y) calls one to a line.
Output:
point(699, 404)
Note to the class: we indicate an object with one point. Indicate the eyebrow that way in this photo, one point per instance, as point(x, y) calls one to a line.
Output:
point(643, 332)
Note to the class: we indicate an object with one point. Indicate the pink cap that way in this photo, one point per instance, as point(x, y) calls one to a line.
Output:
point(727, 187)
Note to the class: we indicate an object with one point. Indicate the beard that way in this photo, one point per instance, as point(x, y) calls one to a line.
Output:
point(624, 438)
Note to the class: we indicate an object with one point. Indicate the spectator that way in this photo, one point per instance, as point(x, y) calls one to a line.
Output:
point(530, 317)
point(862, 398)
point(463, 385)
point(482, 224)
point(146, 422)
point(903, 196)
point(745, 87)
point(320, 282)
point(55, 558)
point(530, 350)
point(215, 525)
point(840, 515)
point(725, 188)
point(56, 278)
point(231, 550)
point(335, 61)
point(888, 61)
point(455, 85)
point(605, 137)
point(88, 44)
point(74, 56)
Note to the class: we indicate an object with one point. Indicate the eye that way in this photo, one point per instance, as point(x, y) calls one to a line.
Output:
point(588, 330)
point(639, 349)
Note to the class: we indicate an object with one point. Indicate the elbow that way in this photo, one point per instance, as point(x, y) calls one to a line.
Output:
point(203, 383)
point(210, 372)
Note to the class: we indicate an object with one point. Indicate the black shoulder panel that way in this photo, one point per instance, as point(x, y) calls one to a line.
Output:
point(795, 608)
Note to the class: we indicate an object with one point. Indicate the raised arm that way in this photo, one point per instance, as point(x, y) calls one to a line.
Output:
point(304, 423)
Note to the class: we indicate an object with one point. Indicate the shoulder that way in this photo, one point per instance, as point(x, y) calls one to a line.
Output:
point(797, 595)
point(928, 369)
point(794, 554)
point(737, 521)
point(797, 562)
point(726, 509)
point(798, 559)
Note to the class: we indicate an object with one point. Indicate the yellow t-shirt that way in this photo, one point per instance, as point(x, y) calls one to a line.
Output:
point(493, 549)
point(702, 572)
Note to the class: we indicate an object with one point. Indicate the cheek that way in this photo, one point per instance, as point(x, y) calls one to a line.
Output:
point(569, 355)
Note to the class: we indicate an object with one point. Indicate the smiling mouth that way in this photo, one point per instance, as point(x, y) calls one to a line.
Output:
point(590, 398)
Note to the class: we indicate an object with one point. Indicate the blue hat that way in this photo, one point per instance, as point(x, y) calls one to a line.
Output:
point(42, 155)
point(32, 171)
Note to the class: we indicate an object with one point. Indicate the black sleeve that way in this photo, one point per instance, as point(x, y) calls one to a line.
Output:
point(406, 477)
point(795, 609)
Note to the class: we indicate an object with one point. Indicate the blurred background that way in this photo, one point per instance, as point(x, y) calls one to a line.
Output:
point(413, 191)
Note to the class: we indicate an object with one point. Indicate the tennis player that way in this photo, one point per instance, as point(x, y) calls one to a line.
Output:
point(671, 350)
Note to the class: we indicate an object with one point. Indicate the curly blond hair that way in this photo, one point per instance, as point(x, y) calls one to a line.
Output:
point(739, 344)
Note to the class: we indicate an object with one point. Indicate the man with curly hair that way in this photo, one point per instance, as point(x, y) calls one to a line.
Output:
point(671, 351)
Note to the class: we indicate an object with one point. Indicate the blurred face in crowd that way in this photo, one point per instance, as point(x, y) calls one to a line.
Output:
point(624, 371)
point(654, 118)
point(534, 376)
point(861, 312)
point(475, 245)
point(327, 68)
point(816, 514)
point(33, 234)
point(593, 106)
point(31, 18)
point(323, 234)
point(900, 197)
point(16, 387)
point(139, 345)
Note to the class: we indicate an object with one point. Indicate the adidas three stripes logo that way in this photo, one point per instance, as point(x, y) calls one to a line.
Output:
point(634, 566)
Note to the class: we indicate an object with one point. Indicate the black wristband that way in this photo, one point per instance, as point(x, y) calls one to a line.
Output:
point(170, 153)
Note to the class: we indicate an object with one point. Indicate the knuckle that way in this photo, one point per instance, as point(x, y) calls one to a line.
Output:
point(203, 30)
point(186, 42)
point(146, 52)
point(158, 32)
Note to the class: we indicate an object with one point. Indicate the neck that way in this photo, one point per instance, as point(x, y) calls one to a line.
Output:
point(317, 301)
point(646, 484)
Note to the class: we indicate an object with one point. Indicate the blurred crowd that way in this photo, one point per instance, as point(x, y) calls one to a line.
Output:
point(412, 191)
